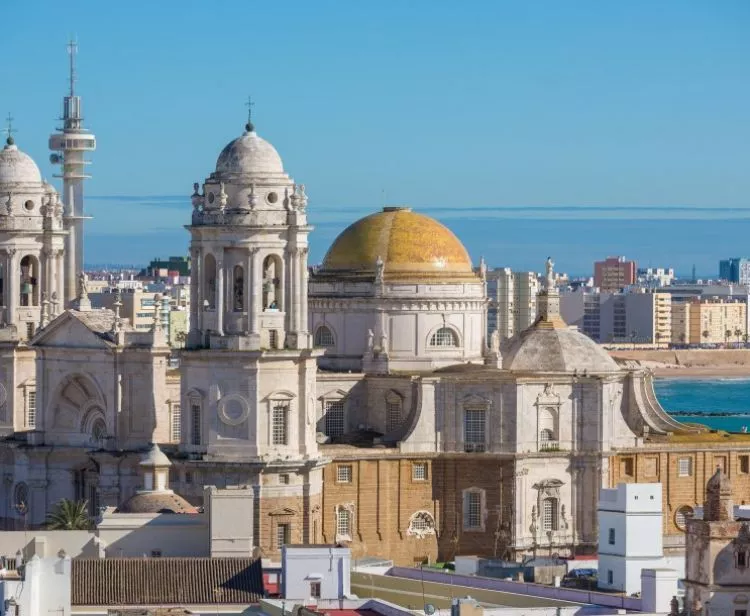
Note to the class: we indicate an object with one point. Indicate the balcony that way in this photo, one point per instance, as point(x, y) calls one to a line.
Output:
point(549, 446)
point(475, 447)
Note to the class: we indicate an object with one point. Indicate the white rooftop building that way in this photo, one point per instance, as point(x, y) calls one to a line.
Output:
point(630, 534)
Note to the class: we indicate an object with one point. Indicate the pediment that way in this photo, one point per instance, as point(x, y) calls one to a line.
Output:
point(282, 511)
point(68, 331)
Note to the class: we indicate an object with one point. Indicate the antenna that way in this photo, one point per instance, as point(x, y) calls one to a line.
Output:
point(72, 51)
point(250, 104)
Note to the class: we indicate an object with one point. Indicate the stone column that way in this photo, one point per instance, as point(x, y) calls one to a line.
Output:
point(303, 308)
point(291, 301)
point(14, 281)
point(254, 298)
point(195, 307)
point(60, 281)
point(220, 296)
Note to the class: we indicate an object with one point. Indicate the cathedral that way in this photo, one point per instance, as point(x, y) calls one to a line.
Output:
point(359, 399)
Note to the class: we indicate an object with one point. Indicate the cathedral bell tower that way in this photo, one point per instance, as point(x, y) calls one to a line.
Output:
point(249, 369)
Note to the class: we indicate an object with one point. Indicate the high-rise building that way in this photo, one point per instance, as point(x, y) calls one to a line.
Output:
point(736, 269)
point(642, 316)
point(513, 303)
point(614, 274)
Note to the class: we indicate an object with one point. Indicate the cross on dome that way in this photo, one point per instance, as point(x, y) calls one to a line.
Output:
point(250, 104)
point(9, 130)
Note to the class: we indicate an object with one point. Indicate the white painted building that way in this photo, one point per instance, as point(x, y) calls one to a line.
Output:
point(41, 587)
point(311, 572)
point(513, 304)
point(630, 534)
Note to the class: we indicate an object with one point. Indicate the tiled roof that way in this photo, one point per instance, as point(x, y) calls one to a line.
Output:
point(166, 581)
point(156, 502)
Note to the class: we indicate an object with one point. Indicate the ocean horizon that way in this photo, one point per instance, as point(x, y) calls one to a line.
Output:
point(136, 229)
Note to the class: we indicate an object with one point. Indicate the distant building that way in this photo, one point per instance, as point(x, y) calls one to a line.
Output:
point(655, 277)
point(630, 534)
point(709, 321)
point(168, 268)
point(315, 572)
point(736, 269)
point(614, 274)
point(638, 316)
point(512, 301)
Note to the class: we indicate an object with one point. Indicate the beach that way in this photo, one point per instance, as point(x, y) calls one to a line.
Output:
point(693, 363)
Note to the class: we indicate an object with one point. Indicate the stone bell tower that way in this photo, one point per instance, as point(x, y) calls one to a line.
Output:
point(248, 374)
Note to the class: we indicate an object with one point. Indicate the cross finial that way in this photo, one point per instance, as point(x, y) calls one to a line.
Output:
point(9, 130)
point(250, 104)
point(72, 50)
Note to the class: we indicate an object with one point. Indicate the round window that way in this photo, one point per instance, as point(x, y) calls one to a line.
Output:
point(29, 205)
point(211, 197)
point(272, 197)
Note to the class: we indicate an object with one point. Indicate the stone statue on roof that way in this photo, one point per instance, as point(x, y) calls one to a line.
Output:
point(550, 275)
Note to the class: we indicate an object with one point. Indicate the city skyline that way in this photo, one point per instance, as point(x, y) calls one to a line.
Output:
point(521, 107)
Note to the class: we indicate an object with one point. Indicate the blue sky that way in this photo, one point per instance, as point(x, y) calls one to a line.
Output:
point(476, 112)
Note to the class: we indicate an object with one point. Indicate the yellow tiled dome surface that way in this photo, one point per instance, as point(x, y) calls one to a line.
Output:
point(408, 243)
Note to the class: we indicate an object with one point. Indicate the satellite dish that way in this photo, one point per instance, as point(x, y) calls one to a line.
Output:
point(429, 609)
point(321, 438)
point(55, 159)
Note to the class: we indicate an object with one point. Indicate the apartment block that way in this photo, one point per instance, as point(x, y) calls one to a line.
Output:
point(513, 305)
point(709, 321)
point(614, 274)
point(640, 316)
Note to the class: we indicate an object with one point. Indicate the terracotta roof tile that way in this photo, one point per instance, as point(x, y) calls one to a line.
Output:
point(166, 581)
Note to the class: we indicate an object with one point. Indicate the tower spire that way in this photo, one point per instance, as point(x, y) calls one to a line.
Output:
point(250, 104)
point(72, 51)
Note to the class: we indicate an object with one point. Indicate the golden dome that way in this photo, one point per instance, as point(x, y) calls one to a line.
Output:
point(411, 246)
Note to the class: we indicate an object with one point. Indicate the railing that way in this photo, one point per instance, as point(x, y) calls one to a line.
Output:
point(549, 446)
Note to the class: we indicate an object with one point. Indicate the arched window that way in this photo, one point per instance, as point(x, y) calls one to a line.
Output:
point(421, 523)
point(682, 515)
point(98, 430)
point(29, 277)
point(21, 498)
point(324, 337)
point(444, 337)
point(272, 283)
point(549, 514)
point(238, 291)
point(209, 281)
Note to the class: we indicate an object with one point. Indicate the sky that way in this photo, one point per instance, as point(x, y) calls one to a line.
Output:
point(586, 128)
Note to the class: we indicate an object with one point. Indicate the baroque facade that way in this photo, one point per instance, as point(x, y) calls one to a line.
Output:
point(360, 400)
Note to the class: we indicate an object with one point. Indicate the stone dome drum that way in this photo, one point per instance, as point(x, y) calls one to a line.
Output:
point(17, 167)
point(249, 155)
point(410, 245)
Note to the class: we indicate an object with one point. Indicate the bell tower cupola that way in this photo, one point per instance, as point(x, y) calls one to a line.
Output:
point(249, 245)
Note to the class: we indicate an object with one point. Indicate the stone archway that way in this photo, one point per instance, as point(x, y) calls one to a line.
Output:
point(78, 406)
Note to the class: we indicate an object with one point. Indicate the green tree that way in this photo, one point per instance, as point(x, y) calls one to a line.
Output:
point(727, 335)
point(738, 333)
point(69, 515)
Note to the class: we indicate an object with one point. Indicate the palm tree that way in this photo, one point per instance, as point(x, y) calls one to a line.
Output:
point(706, 334)
point(738, 333)
point(69, 515)
point(727, 334)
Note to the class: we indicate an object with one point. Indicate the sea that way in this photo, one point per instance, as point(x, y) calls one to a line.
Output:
point(719, 403)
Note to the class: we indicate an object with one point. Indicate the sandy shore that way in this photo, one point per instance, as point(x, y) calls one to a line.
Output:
point(702, 372)
point(710, 363)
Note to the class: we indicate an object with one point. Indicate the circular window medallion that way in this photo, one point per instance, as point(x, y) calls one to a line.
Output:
point(211, 197)
point(272, 197)
point(233, 409)
point(29, 205)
